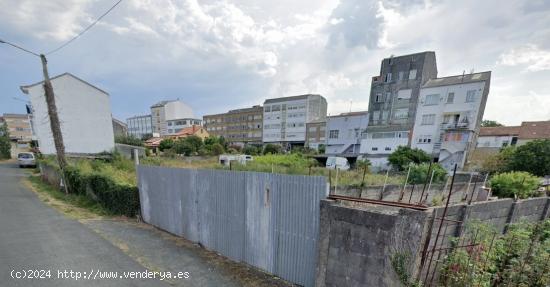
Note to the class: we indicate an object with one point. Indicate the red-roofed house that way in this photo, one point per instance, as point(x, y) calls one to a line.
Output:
point(192, 131)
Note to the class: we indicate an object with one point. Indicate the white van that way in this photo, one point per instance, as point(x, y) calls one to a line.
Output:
point(334, 162)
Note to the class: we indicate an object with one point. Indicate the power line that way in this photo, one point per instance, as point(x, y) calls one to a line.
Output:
point(19, 47)
point(85, 30)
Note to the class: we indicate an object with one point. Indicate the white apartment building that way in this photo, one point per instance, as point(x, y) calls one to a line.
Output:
point(344, 132)
point(177, 125)
point(164, 111)
point(448, 117)
point(140, 126)
point(284, 119)
point(84, 114)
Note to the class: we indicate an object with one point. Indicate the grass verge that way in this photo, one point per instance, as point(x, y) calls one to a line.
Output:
point(72, 205)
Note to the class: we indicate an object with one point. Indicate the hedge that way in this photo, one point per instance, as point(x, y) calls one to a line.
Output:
point(117, 198)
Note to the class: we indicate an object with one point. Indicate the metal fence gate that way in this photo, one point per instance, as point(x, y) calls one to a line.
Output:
point(270, 221)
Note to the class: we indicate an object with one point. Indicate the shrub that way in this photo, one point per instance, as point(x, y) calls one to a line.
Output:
point(419, 173)
point(5, 143)
point(117, 198)
point(403, 156)
point(363, 163)
point(166, 144)
point(251, 150)
point(514, 184)
point(129, 140)
point(272, 149)
point(217, 149)
point(498, 163)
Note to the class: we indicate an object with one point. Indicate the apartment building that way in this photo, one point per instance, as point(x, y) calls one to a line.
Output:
point(496, 138)
point(239, 127)
point(19, 127)
point(177, 125)
point(448, 117)
point(344, 132)
point(164, 111)
point(392, 103)
point(285, 118)
point(316, 134)
point(140, 127)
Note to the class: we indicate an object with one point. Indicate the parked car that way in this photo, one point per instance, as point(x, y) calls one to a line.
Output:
point(225, 159)
point(26, 159)
point(336, 162)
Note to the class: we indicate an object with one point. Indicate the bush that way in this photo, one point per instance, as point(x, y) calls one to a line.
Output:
point(498, 163)
point(129, 140)
point(403, 156)
point(272, 149)
point(117, 198)
point(166, 144)
point(419, 173)
point(532, 157)
point(217, 149)
point(5, 143)
point(514, 184)
point(251, 150)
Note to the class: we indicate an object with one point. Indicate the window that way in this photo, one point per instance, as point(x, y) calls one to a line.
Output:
point(267, 109)
point(450, 98)
point(431, 100)
point(379, 98)
point(388, 78)
point(383, 135)
point(412, 74)
point(376, 115)
point(401, 113)
point(374, 148)
point(404, 94)
point(428, 119)
point(276, 108)
point(400, 77)
point(387, 148)
point(388, 96)
point(333, 134)
point(169, 124)
point(471, 96)
point(425, 139)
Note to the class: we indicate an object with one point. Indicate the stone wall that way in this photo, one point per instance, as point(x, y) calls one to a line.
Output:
point(357, 242)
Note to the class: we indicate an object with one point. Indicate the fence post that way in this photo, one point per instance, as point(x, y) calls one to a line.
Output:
point(336, 182)
point(136, 156)
point(385, 181)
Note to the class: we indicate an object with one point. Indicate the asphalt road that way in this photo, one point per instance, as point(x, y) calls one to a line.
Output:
point(33, 236)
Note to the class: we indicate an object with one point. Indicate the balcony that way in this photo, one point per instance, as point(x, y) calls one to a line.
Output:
point(455, 126)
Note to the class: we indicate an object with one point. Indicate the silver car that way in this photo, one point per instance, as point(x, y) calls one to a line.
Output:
point(26, 159)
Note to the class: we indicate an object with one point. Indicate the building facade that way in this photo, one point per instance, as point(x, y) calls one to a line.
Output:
point(285, 118)
point(344, 132)
point(19, 127)
point(119, 128)
point(497, 137)
point(84, 113)
point(177, 125)
point(316, 134)
point(164, 111)
point(140, 127)
point(448, 117)
point(240, 127)
point(392, 103)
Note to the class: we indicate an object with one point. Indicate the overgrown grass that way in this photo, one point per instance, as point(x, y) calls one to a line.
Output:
point(74, 205)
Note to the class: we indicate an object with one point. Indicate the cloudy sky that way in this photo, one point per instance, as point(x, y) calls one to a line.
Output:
point(219, 55)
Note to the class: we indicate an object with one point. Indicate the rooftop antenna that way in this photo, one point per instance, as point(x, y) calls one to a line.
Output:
point(350, 104)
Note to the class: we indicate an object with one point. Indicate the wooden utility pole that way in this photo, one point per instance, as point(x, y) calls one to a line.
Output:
point(54, 121)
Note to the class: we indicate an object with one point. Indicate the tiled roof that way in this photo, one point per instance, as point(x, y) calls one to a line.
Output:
point(499, 131)
point(189, 131)
point(535, 130)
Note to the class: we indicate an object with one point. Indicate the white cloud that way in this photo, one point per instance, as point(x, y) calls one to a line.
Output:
point(530, 55)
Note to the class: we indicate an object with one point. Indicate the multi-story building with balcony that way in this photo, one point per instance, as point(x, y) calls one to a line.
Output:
point(316, 134)
point(285, 118)
point(177, 125)
point(344, 132)
point(392, 104)
point(19, 127)
point(448, 117)
point(239, 127)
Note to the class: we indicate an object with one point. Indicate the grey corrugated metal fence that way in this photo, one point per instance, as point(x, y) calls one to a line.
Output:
point(270, 221)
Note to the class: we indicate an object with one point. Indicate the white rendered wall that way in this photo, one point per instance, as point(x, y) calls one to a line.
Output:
point(84, 113)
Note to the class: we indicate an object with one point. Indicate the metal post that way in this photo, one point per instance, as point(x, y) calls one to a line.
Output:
point(429, 187)
point(136, 156)
point(336, 182)
point(385, 181)
point(405, 184)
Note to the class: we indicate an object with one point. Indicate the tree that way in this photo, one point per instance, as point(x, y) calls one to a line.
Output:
point(251, 150)
point(514, 184)
point(166, 144)
point(363, 163)
point(217, 149)
point(5, 143)
point(322, 148)
point(532, 157)
point(499, 162)
point(403, 156)
point(272, 149)
point(188, 145)
point(490, 124)
point(419, 173)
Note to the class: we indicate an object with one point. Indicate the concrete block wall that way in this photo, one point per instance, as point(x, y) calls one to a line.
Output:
point(356, 243)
